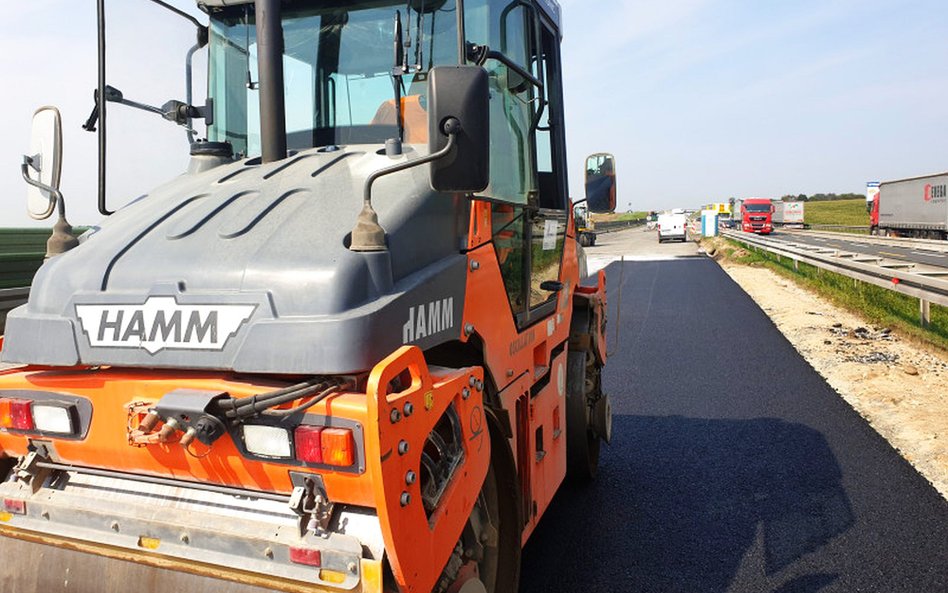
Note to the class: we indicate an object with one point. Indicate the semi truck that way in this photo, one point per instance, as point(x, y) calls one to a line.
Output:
point(756, 215)
point(788, 214)
point(358, 356)
point(915, 207)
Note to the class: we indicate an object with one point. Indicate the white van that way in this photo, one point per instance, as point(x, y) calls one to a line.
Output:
point(672, 226)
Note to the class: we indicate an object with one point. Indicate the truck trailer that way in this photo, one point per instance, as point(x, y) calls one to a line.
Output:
point(360, 356)
point(915, 207)
point(788, 214)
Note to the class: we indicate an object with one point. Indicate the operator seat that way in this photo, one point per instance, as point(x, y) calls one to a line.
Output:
point(414, 116)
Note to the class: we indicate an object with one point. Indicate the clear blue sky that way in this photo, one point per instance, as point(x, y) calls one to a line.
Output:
point(698, 99)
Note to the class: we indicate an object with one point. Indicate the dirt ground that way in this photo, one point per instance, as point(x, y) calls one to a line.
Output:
point(898, 386)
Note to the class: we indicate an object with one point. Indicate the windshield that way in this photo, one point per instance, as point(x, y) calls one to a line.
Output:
point(757, 207)
point(338, 61)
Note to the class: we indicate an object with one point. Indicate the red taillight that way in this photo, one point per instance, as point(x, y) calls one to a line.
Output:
point(16, 414)
point(6, 420)
point(306, 556)
point(328, 446)
point(12, 505)
point(308, 445)
point(338, 447)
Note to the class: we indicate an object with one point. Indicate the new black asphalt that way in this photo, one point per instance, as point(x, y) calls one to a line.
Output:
point(733, 465)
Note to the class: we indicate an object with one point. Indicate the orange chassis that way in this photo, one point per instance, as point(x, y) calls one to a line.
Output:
point(527, 367)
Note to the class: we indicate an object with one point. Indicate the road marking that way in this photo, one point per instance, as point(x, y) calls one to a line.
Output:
point(600, 262)
point(890, 254)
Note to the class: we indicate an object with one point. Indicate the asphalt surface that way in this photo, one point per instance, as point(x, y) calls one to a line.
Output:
point(733, 466)
point(912, 254)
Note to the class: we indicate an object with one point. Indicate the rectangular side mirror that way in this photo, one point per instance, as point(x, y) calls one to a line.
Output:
point(44, 162)
point(459, 93)
point(601, 182)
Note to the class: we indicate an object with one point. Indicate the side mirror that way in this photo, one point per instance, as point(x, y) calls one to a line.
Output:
point(459, 105)
point(43, 165)
point(601, 182)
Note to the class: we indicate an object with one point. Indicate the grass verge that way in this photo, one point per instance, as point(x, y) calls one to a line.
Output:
point(878, 306)
point(619, 217)
point(842, 212)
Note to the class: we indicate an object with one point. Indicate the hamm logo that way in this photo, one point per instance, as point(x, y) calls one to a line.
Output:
point(428, 320)
point(162, 323)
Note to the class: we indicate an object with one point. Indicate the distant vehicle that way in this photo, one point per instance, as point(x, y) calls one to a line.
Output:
point(585, 227)
point(788, 214)
point(916, 207)
point(672, 226)
point(756, 215)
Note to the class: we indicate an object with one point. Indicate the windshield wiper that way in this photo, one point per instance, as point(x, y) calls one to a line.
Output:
point(398, 71)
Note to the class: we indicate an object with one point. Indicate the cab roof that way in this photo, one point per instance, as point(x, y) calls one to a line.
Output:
point(549, 7)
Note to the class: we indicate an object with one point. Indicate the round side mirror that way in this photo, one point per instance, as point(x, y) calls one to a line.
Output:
point(44, 162)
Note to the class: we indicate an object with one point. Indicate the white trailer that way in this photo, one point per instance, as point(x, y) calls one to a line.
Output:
point(788, 214)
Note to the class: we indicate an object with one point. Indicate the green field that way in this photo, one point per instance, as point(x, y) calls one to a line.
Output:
point(619, 217)
point(841, 212)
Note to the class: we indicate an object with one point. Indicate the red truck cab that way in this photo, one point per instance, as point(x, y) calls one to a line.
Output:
point(757, 216)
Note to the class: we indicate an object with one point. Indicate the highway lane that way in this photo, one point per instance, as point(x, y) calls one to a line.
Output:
point(734, 466)
point(913, 254)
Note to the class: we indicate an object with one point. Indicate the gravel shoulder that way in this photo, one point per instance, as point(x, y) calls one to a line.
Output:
point(898, 386)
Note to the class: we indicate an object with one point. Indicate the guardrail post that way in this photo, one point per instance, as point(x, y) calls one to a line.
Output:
point(796, 265)
point(924, 312)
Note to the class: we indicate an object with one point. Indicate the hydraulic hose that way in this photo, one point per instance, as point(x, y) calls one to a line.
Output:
point(238, 409)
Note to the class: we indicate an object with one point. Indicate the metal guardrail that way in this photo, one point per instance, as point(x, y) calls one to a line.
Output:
point(620, 225)
point(935, 245)
point(829, 227)
point(11, 298)
point(21, 254)
point(929, 284)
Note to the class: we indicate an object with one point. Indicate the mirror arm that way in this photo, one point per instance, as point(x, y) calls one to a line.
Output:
point(189, 92)
point(367, 193)
point(202, 30)
point(496, 55)
point(62, 238)
point(135, 104)
point(25, 171)
point(481, 53)
point(368, 234)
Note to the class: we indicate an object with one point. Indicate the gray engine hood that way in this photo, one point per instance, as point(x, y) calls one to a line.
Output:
point(245, 267)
